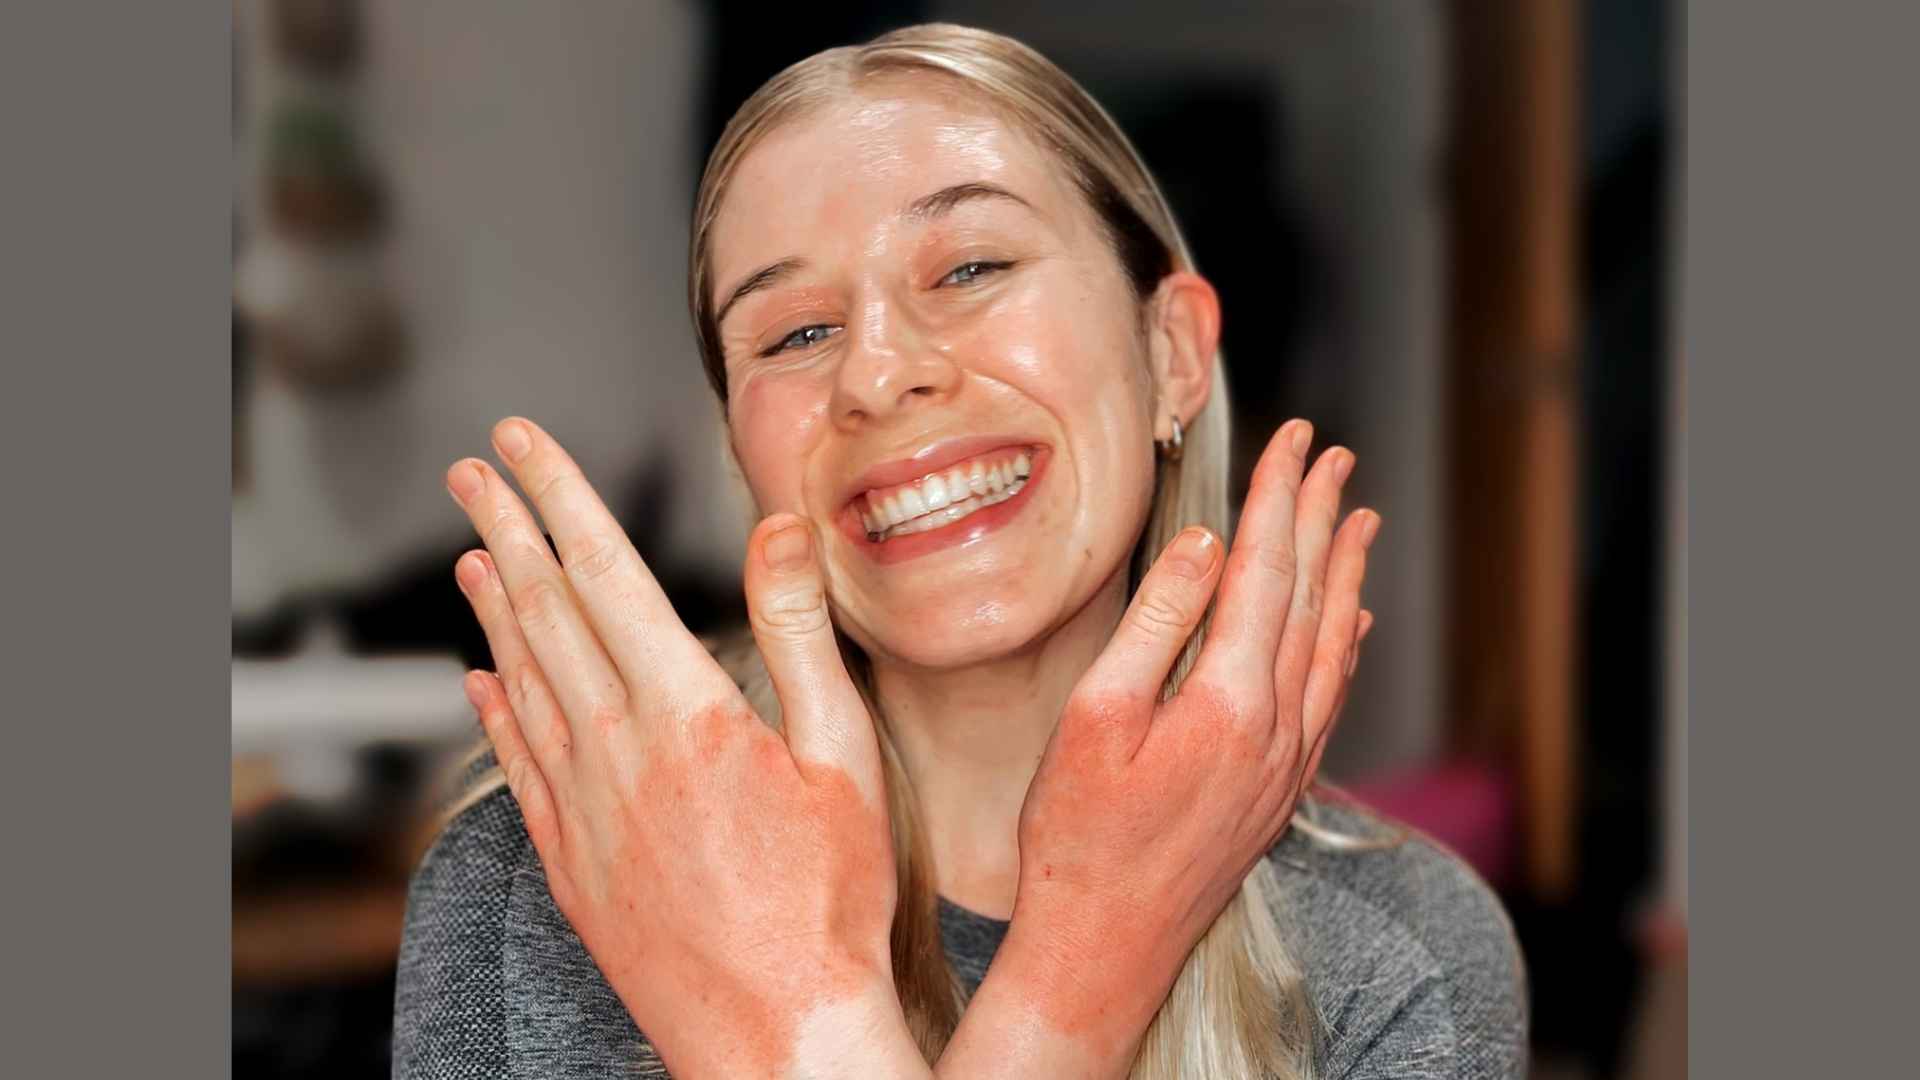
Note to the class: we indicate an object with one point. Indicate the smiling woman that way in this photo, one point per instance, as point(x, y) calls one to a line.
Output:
point(1007, 775)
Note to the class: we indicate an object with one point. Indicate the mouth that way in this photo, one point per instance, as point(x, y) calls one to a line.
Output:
point(952, 493)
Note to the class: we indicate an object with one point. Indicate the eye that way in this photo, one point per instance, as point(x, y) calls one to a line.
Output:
point(969, 272)
point(802, 338)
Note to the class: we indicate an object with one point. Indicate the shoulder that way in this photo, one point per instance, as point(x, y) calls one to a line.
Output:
point(450, 992)
point(1409, 955)
point(493, 981)
point(464, 879)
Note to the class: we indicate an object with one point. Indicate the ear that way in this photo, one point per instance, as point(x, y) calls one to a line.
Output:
point(1183, 333)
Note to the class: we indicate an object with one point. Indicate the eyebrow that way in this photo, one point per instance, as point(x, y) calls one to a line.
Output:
point(928, 207)
point(924, 209)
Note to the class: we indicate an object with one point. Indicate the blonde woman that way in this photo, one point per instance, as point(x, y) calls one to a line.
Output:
point(1000, 783)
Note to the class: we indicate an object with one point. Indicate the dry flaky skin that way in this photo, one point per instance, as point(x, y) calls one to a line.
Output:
point(736, 886)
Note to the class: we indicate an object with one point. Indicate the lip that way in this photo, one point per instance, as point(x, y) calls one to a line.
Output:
point(932, 459)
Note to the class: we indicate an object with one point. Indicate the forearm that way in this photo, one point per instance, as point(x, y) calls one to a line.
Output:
point(851, 1037)
point(1038, 1014)
point(856, 1038)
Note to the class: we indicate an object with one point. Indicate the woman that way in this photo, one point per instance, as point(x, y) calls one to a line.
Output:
point(1013, 728)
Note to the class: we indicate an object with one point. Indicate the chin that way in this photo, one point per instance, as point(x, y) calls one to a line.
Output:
point(948, 626)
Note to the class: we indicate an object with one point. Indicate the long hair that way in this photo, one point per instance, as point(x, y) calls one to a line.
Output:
point(1240, 1006)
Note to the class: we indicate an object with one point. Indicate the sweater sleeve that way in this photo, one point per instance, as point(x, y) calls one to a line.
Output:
point(1415, 967)
point(450, 1017)
point(1465, 1016)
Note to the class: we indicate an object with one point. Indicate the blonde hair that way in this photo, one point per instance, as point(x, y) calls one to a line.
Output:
point(1240, 1006)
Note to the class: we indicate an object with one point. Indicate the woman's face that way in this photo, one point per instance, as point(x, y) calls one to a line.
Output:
point(937, 359)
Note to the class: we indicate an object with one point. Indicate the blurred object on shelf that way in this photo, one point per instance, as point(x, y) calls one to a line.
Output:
point(256, 784)
point(319, 36)
point(309, 277)
point(322, 697)
point(317, 933)
point(1466, 805)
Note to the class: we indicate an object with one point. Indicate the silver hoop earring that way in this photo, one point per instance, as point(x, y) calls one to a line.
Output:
point(1170, 450)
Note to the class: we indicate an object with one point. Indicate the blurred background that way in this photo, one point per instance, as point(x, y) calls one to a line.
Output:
point(1441, 231)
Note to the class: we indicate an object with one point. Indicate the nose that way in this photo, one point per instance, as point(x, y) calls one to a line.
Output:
point(888, 367)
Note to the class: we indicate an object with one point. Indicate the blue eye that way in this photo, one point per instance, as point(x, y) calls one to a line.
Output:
point(969, 272)
point(802, 338)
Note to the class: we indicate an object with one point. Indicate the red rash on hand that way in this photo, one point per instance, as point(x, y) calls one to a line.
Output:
point(1112, 818)
point(820, 885)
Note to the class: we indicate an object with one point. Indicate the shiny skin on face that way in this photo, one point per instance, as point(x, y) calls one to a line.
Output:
point(890, 322)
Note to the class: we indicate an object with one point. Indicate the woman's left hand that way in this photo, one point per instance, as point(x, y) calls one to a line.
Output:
point(1148, 811)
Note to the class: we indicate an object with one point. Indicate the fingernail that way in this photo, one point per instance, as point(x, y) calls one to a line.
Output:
point(464, 482)
point(475, 694)
point(512, 439)
point(470, 572)
point(1193, 554)
point(1302, 436)
point(1343, 467)
point(1368, 528)
point(788, 548)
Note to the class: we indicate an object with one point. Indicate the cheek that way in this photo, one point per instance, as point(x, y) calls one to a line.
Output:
point(768, 418)
point(1074, 354)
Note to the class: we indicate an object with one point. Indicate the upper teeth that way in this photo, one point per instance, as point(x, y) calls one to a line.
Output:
point(950, 494)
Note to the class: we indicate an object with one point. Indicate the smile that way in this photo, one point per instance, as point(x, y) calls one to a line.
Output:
point(944, 497)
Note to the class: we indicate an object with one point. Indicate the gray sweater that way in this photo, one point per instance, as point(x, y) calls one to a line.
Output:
point(1409, 957)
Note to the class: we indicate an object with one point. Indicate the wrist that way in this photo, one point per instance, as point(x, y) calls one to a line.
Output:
point(858, 1036)
point(1057, 1005)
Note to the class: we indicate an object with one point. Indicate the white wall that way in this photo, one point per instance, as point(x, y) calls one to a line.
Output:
point(538, 158)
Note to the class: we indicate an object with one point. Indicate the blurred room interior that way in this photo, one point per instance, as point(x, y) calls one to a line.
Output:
point(1441, 231)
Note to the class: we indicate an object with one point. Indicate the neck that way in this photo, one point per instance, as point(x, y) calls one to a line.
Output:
point(971, 740)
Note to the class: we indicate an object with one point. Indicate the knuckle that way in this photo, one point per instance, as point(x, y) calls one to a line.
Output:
point(590, 557)
point(521, 776)
point(609, 713)
point(1313, 596)
point(1336, 666)
point(523, 690)
point(539, 600)
point(792, 612)
point(1278, 559)
point(1162, 613)
point(547, 483)
point(496, 521)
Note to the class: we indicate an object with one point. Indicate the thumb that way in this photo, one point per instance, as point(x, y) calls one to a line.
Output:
point(1165, 611)
point(824, 717)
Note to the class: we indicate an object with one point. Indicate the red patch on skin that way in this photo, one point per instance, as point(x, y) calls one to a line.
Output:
point(1123, 794)
point(795, 915)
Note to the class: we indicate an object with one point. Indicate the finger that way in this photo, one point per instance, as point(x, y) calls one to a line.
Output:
point(1334, 653)
point(1366, 624)
point(1162, 616)
point(1312, 772)
point(622, 600)
point(1257, 585)
point(1314, 520)
point(578, 670)
point(538, 718)
point(822, 714)
point(524, 778)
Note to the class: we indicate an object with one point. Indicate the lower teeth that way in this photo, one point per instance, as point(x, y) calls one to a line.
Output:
point(949, 515)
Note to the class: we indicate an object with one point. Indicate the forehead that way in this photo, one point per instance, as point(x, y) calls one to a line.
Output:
point(842, 173)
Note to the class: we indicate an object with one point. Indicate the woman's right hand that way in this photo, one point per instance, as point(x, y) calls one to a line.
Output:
point(1147, 815)
point(735, 887)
